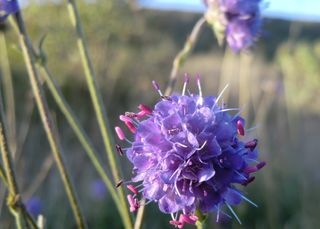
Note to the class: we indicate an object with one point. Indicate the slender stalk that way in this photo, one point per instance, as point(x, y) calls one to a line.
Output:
point(8, 94)
point(200, 225)
point(97, 102)
point(3, 175)
point(183, 54)
point(14, 200)
point(77, 128)
point(11, 181)
point(2, 118)
point(245, 70)
point(139, 218)
point(47, 120)
point(79, 131)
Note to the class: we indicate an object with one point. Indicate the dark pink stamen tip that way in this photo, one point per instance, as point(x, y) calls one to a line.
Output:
point(134, 204)
point(125, 118)
point(130, 200)
point(187, 219)
point(120, 182)
point(132, 189)
point(186, 78)
point(175, 223)
point(194, 217)
point(140, 114)
point(261, 165)
point(250, 169)
point(252, 144)
point(120, 133)
point(240, 128)
point(250, 180)
point(145, 109)
point(155, 85)
point(131, 127)
point(119, 150)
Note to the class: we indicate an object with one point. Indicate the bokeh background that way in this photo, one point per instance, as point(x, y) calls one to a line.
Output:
point(277, 85)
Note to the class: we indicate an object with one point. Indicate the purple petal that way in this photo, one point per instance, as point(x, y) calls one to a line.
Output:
point(232, 197)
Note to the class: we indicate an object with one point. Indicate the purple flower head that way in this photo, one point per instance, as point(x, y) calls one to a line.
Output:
point(34, 206)
point(188, 153)
point(7, 7)
point(239, 21)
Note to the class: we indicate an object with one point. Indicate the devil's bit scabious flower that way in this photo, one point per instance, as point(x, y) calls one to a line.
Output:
point(238, 21)
point(188, 154)
point(7, 7)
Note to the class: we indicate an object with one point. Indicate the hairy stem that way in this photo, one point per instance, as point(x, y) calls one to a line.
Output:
point(183, 54)
point(47, 120)
point(97, 102)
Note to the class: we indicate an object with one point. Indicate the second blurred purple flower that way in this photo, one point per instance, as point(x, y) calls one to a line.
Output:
point(236, 21)
point(7, 7)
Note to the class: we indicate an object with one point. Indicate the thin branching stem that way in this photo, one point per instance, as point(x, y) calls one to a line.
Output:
point(97, 103)
point(183, 54)
point(14, 200)
point(8, 93)
point(79, 131)
point(47, 120)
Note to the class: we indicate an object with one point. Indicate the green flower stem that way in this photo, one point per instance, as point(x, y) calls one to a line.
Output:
point(7, 173)
point(3, 175)
point(79, 131)
point(97, 102)
point(2, 169)
point(13, 201)
point(11, 181)
point(47, 120)
point(200, 225)
point(8, 93)
point(183, 54)
point(139, 218)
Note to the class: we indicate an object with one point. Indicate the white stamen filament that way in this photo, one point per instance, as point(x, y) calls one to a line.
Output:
point(233, 213)
point(184, 88)
point(220, 95)
point(199, 87)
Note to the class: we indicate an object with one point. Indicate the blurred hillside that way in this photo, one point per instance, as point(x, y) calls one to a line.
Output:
point(278, 84)
point(129, 47)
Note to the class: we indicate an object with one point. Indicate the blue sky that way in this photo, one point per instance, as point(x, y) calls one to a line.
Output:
point(305, 10)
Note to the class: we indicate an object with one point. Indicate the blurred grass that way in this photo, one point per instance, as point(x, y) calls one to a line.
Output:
point(278, 84)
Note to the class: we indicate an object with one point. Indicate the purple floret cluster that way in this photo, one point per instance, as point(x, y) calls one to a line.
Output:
point(188, 153)
point(7, 7)
point(240, 19)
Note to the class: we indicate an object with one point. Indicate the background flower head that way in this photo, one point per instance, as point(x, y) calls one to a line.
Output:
point(7, 7)
point(237, 21)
